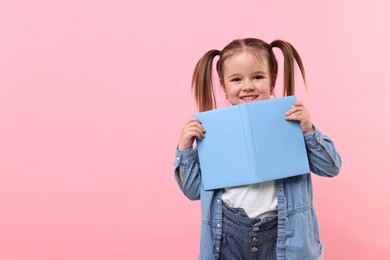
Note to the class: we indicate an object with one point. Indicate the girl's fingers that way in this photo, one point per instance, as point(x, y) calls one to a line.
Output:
point(194, 129)
point(296, 107)
point(294, 110)
point(196, 132)
point(294, 116)
point(298, 104)
point(197, 128)
point(194, 122)
point(300, 113)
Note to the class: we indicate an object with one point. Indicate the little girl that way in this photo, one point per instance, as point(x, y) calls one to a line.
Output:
point(270, 220)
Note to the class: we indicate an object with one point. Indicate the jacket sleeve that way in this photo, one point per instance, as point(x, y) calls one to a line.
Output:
point(187, 163)
point(324, 160)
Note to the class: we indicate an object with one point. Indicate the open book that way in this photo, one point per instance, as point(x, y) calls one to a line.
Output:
point(250, 143)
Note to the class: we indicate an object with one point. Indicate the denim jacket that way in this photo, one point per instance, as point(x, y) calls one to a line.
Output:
point(298, 234)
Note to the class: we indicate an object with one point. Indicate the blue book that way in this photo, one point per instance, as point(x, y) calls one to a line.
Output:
point(250, 143)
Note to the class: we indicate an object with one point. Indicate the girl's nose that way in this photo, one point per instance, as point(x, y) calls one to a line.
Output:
point(248, 87)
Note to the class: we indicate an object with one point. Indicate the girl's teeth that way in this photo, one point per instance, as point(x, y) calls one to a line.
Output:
point(247, 98)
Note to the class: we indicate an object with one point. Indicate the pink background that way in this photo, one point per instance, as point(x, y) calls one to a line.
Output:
point(93, 95)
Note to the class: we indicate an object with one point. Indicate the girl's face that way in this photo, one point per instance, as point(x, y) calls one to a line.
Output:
point(246, 79)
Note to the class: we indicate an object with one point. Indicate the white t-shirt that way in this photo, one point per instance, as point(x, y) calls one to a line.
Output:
point(256, 199)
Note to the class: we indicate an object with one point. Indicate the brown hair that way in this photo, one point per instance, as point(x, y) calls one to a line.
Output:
point(202, 78)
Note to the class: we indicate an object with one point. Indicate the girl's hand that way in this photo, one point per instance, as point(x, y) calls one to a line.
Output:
point(192, 129)
point(300, 113)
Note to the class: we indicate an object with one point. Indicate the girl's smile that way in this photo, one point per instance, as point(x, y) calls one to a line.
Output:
point(249, 98)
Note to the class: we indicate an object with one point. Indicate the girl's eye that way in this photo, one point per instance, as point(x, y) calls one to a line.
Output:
point(258, 77)
point(235, 79)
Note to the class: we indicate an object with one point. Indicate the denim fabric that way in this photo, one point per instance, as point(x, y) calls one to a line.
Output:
point(245, 238)
point(297, 231)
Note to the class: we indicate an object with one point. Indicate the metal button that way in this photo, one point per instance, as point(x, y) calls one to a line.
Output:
point(254, 249)
point(254, 239)
point(218, 225)
point(217, 248)
point(177, 158)
point(255, 229)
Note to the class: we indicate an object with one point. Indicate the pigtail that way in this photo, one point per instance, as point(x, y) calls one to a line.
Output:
point(289, 53)
point(202, 82)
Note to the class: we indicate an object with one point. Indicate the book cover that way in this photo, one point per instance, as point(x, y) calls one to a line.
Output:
point(250, 143)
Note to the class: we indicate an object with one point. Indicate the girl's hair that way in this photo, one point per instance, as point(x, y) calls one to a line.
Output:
point(202, 78)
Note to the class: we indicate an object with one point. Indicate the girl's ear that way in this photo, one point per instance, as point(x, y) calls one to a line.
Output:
point(274, 80)
point(222, 85)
